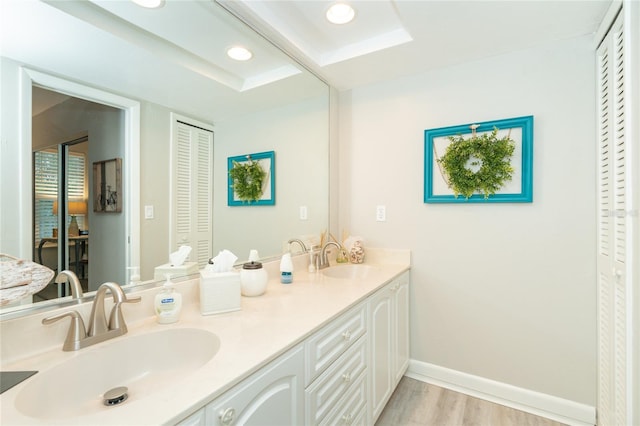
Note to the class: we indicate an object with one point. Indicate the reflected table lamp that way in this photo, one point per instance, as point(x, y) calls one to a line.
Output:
point(75, 208)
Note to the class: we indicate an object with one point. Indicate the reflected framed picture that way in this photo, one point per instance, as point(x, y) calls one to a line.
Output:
point(107, 186)
point(483, 162)
point(252, 179)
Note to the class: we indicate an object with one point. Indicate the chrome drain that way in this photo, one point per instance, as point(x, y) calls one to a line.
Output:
point(115, 396)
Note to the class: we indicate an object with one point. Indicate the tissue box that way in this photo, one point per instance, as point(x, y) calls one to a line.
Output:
point(219, 292)
point(187, 268)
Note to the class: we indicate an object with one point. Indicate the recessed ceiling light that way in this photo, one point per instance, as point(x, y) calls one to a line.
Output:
point(149, 4)
point(239, 53)
point(340, 13)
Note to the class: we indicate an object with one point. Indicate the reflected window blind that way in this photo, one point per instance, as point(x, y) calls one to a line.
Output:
point(46, 189)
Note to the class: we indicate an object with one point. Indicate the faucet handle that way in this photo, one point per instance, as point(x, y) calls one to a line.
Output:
point(76, 333)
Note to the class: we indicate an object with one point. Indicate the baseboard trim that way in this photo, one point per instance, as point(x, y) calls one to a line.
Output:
point(540, 404)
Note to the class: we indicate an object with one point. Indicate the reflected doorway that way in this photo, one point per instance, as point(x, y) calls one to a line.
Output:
point(60, 213)
point(69, 135)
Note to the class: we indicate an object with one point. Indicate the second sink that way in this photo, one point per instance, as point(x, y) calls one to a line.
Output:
point(349, 271)
point(143, 363)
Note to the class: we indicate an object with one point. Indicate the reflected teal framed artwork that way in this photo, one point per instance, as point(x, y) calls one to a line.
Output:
point(252, 179)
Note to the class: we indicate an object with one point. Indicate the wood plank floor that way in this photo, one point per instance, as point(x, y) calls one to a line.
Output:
point(418, 403)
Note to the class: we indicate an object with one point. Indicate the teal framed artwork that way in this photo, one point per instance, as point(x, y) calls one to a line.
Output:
point(483, 162)
point(252, 179)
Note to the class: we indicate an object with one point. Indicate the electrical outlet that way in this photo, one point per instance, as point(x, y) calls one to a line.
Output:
point(148, 212)
point(381, 213)
point(303, 213)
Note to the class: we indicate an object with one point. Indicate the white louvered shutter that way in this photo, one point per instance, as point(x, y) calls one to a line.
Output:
point(613, 342)
point(192, 186)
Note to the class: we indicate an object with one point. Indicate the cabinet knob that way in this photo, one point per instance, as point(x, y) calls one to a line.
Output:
point(347, 419)
point(347, 335)
point(346, 377)
point(227, 416)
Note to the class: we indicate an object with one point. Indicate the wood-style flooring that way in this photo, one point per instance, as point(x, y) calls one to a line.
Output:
point(417, 403)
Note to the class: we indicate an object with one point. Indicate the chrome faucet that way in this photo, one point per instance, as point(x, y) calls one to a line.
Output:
point(99, 329)
point(300, 242)
point(324, 261)
point(76, 288)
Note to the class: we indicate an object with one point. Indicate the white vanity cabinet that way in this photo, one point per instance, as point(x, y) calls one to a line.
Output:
point(401, 326)
point(272, 396)
point(343, 374)
point(337, 359)
point(389, 341)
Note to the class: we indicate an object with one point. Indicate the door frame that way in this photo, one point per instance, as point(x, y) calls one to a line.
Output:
point(131, 169)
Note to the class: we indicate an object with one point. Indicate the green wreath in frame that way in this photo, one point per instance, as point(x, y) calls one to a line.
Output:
point(480, 164)
point(248, 180)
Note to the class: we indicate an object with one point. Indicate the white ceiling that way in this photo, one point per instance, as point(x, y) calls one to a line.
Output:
point(176, 55)
point(391, 38)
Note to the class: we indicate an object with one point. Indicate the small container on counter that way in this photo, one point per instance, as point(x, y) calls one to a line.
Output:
point(286, 269)
point(253, 279)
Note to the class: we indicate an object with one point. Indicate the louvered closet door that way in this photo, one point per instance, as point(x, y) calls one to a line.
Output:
point(613, 343)
point(192, 186)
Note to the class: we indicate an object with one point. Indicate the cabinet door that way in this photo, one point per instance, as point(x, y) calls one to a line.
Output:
point(272, 396)
point(381, 317)
point(401, 327)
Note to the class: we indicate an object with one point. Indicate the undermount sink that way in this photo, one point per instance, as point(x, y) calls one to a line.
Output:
point(143, 363)
point(349, 271)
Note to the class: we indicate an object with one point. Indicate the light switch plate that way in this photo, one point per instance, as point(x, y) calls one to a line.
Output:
point(148, 212)
point(303, 213)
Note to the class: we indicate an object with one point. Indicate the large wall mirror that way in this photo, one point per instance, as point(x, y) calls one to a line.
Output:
point(107, 80)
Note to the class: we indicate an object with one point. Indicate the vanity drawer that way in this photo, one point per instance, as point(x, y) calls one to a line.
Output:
point(352, 408)
point(329, 389)
point(326, 346)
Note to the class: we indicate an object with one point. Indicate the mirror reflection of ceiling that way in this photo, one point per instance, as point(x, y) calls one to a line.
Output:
point(391, 38)
point(184, 65)
point(199, 42)
point(387, 39)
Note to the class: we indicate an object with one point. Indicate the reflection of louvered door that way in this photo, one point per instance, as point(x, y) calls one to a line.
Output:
point(613, 338)
point(192, 186)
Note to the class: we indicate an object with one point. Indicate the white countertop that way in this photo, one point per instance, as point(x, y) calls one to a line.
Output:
point(266, 327)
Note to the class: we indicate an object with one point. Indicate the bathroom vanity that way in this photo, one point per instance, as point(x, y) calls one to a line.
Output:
point(329, 348)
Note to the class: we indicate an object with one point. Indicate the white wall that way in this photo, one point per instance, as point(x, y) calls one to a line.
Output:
point(12, 158)
point(502, 291)
point(155, 134)
point(299, 135)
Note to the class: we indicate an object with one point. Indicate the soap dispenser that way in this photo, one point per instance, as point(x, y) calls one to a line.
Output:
point(168, 303)
point(286, 269)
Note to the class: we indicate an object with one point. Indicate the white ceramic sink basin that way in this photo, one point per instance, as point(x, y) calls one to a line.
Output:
point(143, 363)
point(349, 271)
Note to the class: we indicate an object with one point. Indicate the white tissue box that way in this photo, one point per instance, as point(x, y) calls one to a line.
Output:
point(219, 292)
point(187, 268)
